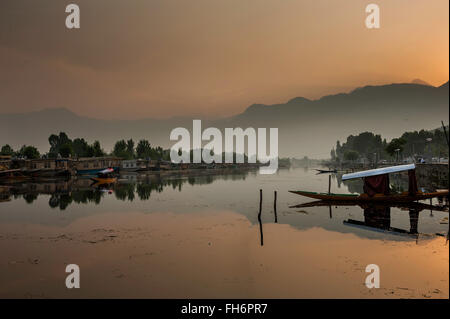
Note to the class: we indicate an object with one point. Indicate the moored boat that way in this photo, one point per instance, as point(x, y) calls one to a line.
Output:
point(376, 187)
point(105, 177)
point(323, 171)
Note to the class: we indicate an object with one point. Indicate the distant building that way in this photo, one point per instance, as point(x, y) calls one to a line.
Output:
point(129, 165)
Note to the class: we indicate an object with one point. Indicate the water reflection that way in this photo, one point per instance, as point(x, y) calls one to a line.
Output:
point(377, 216)
point(84, 191)
point(36, 202)
point(154, 235)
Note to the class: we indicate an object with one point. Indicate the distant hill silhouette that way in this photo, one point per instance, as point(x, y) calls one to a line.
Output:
point(306, 127)
point(421, 82)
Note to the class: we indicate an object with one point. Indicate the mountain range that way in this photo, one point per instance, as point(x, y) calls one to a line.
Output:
point(306, 127)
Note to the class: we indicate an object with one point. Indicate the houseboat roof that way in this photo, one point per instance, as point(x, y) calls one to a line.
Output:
point(379, 171)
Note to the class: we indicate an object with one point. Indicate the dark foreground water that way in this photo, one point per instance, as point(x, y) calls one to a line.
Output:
point(199, 236)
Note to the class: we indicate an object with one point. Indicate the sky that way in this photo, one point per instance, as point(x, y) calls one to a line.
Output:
point(210, 58)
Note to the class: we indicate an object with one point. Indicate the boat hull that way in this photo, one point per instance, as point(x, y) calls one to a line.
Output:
point(94, 171)
point(109, 180)
point(395, 198)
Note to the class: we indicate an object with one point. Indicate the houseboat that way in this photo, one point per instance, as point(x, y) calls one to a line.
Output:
point(49, 167)
point(11, 175)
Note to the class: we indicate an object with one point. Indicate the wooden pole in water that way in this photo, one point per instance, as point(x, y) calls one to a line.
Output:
point(448, 145)
point(259, 217)
point(431, 208)
point(275, 207)
point(329, 184)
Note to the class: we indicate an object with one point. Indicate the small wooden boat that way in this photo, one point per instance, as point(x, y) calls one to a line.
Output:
point(105, 177)
point(323, 171)
point(376, 188)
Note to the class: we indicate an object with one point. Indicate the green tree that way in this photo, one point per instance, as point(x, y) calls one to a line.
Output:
point(97, 149)
point(394, 145)
point(80, 147)
point(65, 150)
point(6, 150)
point(30, 152)
point(56, 141)
point(351, 155)
point(143, 149)
point(130, 148)
point(120, 149)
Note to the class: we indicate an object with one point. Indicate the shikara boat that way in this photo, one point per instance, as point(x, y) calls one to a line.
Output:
point(323, 171)
point(376, 187)
point(105, 177)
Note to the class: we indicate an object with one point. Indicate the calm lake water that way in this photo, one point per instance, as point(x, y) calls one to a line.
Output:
point(199, 236)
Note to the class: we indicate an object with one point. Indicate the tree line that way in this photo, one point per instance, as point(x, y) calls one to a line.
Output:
point(372, 147)
point(62, 146)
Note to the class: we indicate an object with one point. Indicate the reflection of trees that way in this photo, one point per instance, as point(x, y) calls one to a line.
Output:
point(125, 191)
point(85, 196)
point(60, 200)
point(201, 180)
point(80, 192)
point(30, 198)
point(144, 191)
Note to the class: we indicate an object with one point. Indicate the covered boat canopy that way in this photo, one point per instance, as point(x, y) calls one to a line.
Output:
point(379, 171)
point(106, 171)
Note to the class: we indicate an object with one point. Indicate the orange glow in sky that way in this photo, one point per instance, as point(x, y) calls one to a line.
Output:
point(211, 58)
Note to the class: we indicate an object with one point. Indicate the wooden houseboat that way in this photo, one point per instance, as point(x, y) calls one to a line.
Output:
point(48, 167)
